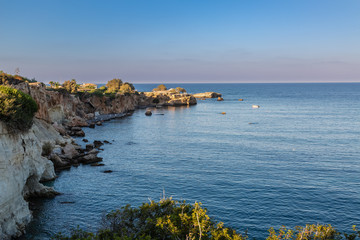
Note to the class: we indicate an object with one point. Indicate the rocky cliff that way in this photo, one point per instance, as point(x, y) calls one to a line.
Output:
point(21, 169)
point(22, 166)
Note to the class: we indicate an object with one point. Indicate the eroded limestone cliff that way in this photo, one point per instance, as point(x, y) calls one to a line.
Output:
point(22, 166)
point(21, 169)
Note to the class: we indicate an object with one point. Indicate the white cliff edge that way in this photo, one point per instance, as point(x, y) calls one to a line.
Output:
point(21, 169)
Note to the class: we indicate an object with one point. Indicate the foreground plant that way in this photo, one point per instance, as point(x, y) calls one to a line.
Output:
point(166, 219)
point(175, 220)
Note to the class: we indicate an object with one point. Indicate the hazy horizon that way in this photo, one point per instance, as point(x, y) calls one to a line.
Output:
point(163, 41)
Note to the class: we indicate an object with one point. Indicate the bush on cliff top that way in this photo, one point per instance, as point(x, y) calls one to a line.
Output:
point(8, 79)
point(161, 87)
point(17, 109)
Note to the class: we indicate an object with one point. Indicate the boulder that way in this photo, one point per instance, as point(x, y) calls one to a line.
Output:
point(79, 133)
point(77, 121)
point(58, 162)
point(97, 144)
point(220, 99)
point(90, 158)
point(148, 112)
point(89, 147)
point(69, 151)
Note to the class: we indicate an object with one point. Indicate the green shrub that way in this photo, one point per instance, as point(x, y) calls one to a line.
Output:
point(97, 93)
point(114, 85)
point(17, 109)
point(126, 88)
point(181, 90)
point(71, 86)
point(47, 149)
point(161, 87)
point(166, 219)
point(103, 88)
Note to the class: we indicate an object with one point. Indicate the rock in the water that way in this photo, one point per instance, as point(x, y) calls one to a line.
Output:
point(241, 99)
point(97, 144)
point(85, 140)
point(148, 112)
point(89, 147)
point(107, 171)
point(255, 106)
point(80, 133)
point(97, 164)
point(99, 123)
point(220, 99)
point(223, 113)
point(58, 162)
point(90, 158)
point(70, 151)
point(207, 95)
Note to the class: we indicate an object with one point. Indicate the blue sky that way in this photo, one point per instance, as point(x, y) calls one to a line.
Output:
point(182, 40)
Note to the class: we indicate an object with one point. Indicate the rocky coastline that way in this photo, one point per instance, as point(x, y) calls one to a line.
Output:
point(33, 157)
point(30, 158)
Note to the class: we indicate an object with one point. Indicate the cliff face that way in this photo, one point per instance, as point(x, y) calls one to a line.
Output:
point(21, 165)
point(21, 169)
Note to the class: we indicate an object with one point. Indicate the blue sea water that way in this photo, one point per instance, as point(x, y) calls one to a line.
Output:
point(293, 161)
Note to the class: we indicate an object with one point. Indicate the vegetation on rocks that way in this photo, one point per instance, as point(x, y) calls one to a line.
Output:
point(170, 219)
point(8, 79)
point(161, 87)
point(166, 219)
point(17, 109)
point(116, 85)
point(47, 148)
point(71, 86)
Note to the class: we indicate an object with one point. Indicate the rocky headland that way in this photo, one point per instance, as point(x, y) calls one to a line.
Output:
point(207, 95)
point(31, 157)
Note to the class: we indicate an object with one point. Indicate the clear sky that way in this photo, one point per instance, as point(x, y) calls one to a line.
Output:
point(182, 40)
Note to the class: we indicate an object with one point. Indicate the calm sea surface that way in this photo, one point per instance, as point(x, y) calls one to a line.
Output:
point(293, 161)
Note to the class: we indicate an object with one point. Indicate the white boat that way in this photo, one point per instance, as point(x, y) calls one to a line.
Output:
point(255, 106)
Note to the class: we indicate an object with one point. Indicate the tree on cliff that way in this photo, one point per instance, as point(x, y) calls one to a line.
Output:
point(114, 85)
point(71, 86)
point(161, 87)
point(17, 109)
point(127, 88)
